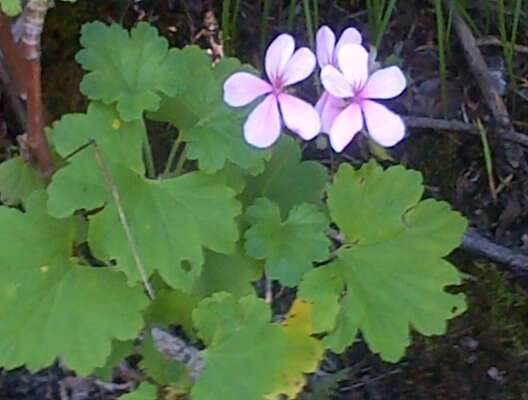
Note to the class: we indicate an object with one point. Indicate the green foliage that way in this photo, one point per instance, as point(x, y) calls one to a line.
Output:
point(131, 70)
point(289, 247)
point(163, 370)
point(179, 210)
point(240, 338)
point(402, 262)
point(80, 184)
point(17, 181)
point(145, 391)
point(76, 310)
point(286, 180)
point(70, 280)
point(11, 7)
point(212, 130)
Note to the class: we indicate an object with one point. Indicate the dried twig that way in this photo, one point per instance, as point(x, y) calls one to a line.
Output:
point(459, 126)
point(477, 244)
point(486, 82)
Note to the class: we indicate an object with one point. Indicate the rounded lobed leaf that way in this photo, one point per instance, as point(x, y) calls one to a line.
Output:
point(77, 310)
point(131, 69)
point(291, 246)
point(389, 276)
point(241, 338)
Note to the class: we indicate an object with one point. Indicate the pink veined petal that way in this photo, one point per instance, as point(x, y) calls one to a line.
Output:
point(277, 56)
point(336, 83)
point(328, 108)
point(263, 126)
point(345, 127)
point(385, 83)
point(349, 36)
point(384, 126)
point(299, 116)
point(300, 66)
point(352, 60)
point(242, 88)
point(324, 44)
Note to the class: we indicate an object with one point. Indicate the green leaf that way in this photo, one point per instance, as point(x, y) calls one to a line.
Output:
point(163, 370)
point(130, 70)
point(286, 180)
point(80, 184)
point(389, 275)
point(76, 310)
point(145, 391)
point(120, 350)
point(232, 273)
point(241, 339)
point(17, 181)
point(289, 247)
point(171, 221)
point(212, 130)
point(11, 7)
point(172, 307)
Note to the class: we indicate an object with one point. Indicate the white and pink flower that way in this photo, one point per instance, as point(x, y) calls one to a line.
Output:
point(284, 67)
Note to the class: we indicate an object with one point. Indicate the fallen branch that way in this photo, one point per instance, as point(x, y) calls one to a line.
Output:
point(479, 245)
point(460, 126)
point(486, 82)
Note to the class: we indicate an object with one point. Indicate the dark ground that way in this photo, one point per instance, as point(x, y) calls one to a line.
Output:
point(485, 353)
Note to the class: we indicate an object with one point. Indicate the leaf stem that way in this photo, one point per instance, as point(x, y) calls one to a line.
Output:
point(172, 155)
point(147, 153)
point(122, 217)
point(181, 160)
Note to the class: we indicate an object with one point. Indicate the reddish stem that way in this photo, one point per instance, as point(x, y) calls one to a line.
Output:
point(16, 64)
point(35, 15)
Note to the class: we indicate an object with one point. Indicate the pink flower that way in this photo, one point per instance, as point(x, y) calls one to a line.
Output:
point(328, 106)
point(353, 86)
point(284, 67)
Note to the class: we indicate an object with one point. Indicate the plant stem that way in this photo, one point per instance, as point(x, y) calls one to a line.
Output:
point(181, 160)
point(291, 14)
point(226, 25)
point(440, 27)
point(122, 217)
point(385, 14)
point(147, 154)
point(266, 9)
point(36, 139)
point(309, 23)
point(172, 155)
point(488, 160)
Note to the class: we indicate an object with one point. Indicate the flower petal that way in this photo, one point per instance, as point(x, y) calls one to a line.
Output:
point(299, 116)
point(263, 125)
point(324, 44)
point(352, 60)
point(328, 108)
point(349, 36)
point(384, 126)
point(335, 82)
point(277, 56)
point(385, 83)
point(346, 126)
point(242, 88)
point(300, 66)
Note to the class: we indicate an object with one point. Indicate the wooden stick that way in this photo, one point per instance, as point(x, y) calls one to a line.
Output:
point(460, 126)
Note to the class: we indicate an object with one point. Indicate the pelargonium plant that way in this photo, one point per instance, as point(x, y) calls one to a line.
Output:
point(126, 246)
